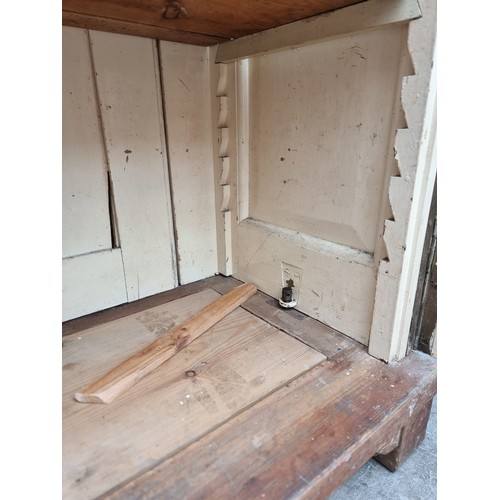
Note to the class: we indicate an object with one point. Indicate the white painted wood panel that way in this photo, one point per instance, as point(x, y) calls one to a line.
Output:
point(338, 282)
point(85, 208)
point(320, 128)
point(186, 86)
point(313, 180)
point(92, 282)
point(130, 103)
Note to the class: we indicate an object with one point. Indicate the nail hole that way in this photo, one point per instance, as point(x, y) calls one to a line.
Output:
point(190, 373)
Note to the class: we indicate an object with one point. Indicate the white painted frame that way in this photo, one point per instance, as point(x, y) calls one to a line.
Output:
point(409, 194)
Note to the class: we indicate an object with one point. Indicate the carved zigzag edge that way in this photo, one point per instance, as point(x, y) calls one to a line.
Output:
point(384, 341)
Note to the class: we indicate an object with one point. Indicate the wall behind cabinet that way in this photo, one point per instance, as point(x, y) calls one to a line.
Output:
point(134, 223)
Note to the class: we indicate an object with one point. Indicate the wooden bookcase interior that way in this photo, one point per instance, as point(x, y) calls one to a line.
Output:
point(310, 144)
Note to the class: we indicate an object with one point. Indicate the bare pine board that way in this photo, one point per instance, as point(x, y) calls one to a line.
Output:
point(236, 363)
point(304, 440)
point(147, 359)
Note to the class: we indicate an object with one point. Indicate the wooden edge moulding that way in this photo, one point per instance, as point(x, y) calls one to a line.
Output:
point(136, 367)
point(410, 195)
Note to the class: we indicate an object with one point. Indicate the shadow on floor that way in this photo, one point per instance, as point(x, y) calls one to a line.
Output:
point(416, 479)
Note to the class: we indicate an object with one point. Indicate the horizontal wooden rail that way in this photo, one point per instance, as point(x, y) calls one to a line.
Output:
point(364, 16)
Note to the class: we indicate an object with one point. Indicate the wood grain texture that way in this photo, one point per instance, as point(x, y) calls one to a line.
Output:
point(302, 441)
point(218, 18)
point(136, 367)
point(135, 28)
point(104, 316)
point(237, 362)
point(297, 324)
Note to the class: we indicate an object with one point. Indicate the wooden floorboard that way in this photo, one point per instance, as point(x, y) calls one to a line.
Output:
point(233, 365)
point(101, 317)
point(297, 324)
point(245, 411)
point(302, 441)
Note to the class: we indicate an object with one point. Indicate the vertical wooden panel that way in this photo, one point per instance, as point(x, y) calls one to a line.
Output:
point(85, 210)
point(320, 129)
point(320, 132)
point(130, 105)
point(186, 85)
point(92, 272)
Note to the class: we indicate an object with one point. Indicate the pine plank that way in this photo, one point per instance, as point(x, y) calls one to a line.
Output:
point(192, 18)
point(134, 28)
point(147, 359)
point(302, 441)
point(236, 363)
point(130, 105)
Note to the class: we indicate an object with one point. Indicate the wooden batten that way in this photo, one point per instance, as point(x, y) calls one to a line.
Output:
point(150, 357)
point(236, 363)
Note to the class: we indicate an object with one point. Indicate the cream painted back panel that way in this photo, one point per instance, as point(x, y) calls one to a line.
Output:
point(85, 207)
point(113, 131)
point(321, 123)
point(186, 85)
point(314, 167)
point(128, 85)
point(128, 105)
point(92, 271)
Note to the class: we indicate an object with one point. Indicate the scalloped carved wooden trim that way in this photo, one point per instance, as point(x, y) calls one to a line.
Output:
point(224, 117)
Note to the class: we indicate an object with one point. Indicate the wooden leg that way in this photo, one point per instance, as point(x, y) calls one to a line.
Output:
point(411, 435)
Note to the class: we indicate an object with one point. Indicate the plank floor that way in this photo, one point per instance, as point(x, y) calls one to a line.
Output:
point(267, 403)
